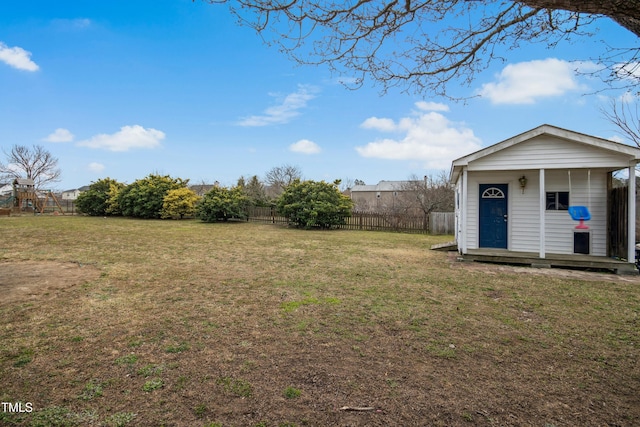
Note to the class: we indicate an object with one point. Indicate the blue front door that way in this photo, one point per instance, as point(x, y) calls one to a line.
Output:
point(493, 216)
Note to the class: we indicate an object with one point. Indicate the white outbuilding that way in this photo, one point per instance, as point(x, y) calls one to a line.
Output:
point(547, 197)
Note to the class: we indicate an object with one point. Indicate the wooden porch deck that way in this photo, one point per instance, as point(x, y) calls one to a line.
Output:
point(576, 261)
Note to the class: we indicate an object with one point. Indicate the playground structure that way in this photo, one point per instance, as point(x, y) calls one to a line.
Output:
point(27, 198)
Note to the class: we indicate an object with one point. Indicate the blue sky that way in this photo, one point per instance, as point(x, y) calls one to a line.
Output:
point(126, 88)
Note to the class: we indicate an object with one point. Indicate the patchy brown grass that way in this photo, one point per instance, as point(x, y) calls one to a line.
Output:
point(182, 323)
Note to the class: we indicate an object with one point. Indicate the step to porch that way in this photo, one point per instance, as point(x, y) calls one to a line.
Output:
point(577, 261)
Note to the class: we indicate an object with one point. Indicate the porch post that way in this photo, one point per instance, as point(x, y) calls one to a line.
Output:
point(631, 227)
point(463, 211)
point(542, 212)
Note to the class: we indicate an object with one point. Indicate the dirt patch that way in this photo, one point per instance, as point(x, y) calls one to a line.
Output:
point(25, 280)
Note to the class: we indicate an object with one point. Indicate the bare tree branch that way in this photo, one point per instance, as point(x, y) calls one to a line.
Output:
point(626, 118)
point(424, 45)
point(430, 194)
point(280, 177)
point(35, 163)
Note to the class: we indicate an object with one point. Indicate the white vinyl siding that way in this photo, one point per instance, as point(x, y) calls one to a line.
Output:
point(523, 218)
point(524, 207)
point(560, 226)
point(535, 154)
point(458, 210)
point(472, 212)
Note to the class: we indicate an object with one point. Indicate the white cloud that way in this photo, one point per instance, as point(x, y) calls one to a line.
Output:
point(429, 137)
point(629, 70)
point(348, 81)
point(305, 146)
point(82, 22)
point(431, 106)
point(96, 167)
point(60, 135)
point(628, 97)
point(375, 123)
point(526, 82)
point(127, 138)
point(288, 108)
point(17, 57)
point(388, 125)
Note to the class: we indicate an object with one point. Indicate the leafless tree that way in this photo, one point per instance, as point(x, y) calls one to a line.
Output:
point(346, 184)
point(424, 45)
point(280, 177)
point(430, 194)
point(254, 189)
point(396, 213)
point(35, 163)
point(416, 197)
point(625, 116)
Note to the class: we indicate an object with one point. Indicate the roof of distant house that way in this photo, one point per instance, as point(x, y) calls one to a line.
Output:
point(381, 186)
point(6, 189)
point(83, 188)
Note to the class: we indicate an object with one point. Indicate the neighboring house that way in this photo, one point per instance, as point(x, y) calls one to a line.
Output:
point(201, 189)
point(73, 194)
point(6, 189)
point(383, 196)
point(512, 200)
point(70, 194)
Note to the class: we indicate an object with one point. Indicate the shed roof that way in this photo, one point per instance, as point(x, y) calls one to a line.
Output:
point(624, 150)
point(23, 181)
point(381, 186)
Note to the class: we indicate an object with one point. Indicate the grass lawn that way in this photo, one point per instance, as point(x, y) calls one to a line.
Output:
point(120, 322)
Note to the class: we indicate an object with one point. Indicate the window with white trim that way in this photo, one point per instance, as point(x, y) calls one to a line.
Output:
point(557, 200)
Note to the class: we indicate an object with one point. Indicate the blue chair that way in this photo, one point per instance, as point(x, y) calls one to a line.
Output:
point(580, 213)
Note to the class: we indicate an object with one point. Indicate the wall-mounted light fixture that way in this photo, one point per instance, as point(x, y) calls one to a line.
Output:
point(523, 182)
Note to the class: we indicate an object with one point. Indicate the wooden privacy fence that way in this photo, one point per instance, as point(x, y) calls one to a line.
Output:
point(262, 214)
point(386, 222)
point(617, 222)
point(442, 222)
point(435, 223)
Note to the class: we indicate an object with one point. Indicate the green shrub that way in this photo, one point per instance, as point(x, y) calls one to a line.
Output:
point(179, 203)
point(311, 204)
point(101, 198)
point(222, 204)
point(144, 198)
